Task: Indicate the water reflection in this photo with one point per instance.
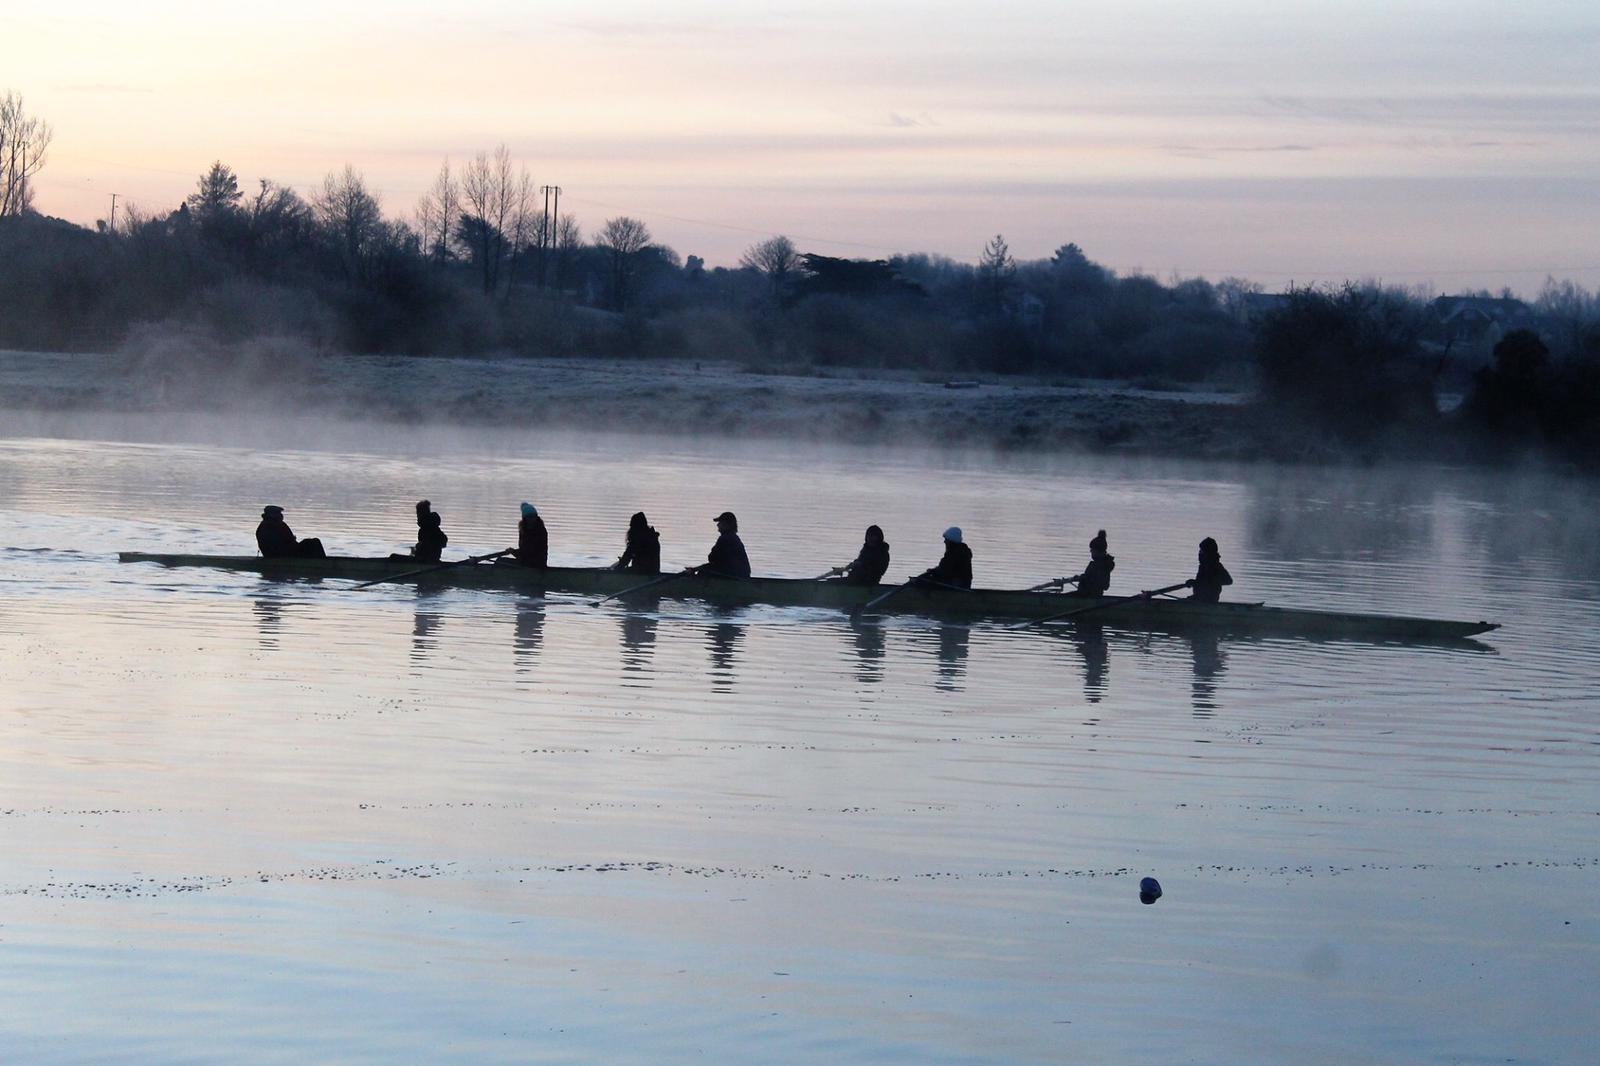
(529, 633)
(268, 613)
(1090, 640)
(427, 619)
(722, 641)
(867, 637)
(953, 640)
(1210, 663)
(638, 641)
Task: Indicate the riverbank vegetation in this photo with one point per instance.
(483, 266)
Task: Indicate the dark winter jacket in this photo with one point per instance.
(869, 566)
(431, 539)
(643, 553)
(1210, 578)
(533, 543)
(727, 558)
(955, 568)
(276, 540)
(1096, 577)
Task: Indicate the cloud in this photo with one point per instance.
(1194, 151)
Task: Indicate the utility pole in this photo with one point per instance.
(552, 219)
(547, 238)
(111, 226)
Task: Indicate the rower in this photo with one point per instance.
(431, 538)
(642, 554)
(277, 541)
(1096, 577)
(1212, 575)
(533, 543)
(727, 558)
(870, 563)
(956, 566)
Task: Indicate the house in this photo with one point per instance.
(1466, 319)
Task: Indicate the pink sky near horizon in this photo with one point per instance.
(1426, 144)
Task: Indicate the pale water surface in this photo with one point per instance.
(256, 821)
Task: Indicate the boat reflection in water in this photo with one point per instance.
(1210, 663)
(529, 633)
(953, 641)
(722, 641)
(866, 637)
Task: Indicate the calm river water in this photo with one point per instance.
(256, 821)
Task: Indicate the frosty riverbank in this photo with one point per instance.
(645, 396)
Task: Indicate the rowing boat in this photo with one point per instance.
(1138, 613)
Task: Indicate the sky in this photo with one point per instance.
(1452, 145)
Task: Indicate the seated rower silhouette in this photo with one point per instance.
(431, 538)
(870, 563)
(1212, 575)
(533, 542)
(277, 541)
(955, 568)
(1096, 577)
(727, 557)
(642, 553)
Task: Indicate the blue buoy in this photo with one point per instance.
(1149, 890)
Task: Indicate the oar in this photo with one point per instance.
(919, 580)
(432, 569)
(876, 600)
(652, 583)
(1053, 584)
(931, 583)
(835, 572)
(1112, 602)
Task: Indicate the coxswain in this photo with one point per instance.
(533, 543)
(869, 565)
(1212, 575)
(1096, 577)
(727, 558)
(642, 555)
(277, 541)
(955, 568)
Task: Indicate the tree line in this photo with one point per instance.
(484, 263)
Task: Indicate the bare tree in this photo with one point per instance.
(350, 217)
(568, 240)
(500, 196)
(279, 224)
(437, 213)
(23, 141)
(776, 257)
(623, 238)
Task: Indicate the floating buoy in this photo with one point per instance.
(1149, 890)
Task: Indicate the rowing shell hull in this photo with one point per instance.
(1155, 614)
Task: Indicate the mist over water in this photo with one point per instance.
(288, 820)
